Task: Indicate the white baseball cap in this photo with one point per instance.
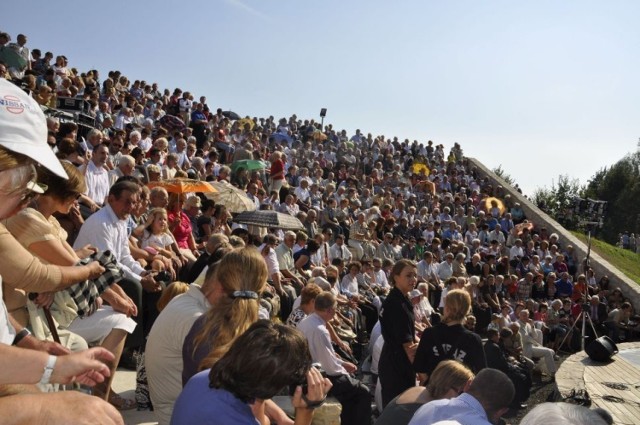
(23, 127)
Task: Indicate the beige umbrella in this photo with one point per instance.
(236, 200)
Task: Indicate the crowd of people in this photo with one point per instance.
(404, 256)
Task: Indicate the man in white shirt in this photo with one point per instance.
(340, 250)
(96, 177)
(107, 230)
(531, 347)
(445, 269)
(516, 252)
(351, 393)
(497, 235)
(381, 276)
(483, 402)
(125, 166)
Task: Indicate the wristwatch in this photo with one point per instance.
(20, 336)
(48, 370)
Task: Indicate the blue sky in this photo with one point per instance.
(542, 87)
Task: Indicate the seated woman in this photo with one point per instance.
(240, 278)
(264, 359)
(450, 378)
(302, 258)
(180, 227)
(38, 231)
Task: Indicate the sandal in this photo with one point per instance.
(121, 403)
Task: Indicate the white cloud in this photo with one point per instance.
(241, 5)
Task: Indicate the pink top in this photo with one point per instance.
(182, 231)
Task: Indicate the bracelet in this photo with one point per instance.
(21, 335)
(313, 404)
(48, 370)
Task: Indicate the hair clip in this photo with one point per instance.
(247, 295)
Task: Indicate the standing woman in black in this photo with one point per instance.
(395, 367)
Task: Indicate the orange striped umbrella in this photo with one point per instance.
(183, 186)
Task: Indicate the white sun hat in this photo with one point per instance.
(23, 127)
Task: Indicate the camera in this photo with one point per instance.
(163, 277)
(303, 381)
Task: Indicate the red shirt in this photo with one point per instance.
(277, 167)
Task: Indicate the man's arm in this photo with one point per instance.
(68, 407)
(23, 366)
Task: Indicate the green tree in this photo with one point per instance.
(619, 185)
(500, 172)
(559, 200)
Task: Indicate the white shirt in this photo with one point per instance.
(319, 257)
(271, 259)
(314, 329)
(445, 270)
(465, 409)
(97, 180)
(426, 271)
(349, 285)
(163, 356)
(516, 251)
(381, 279)
(337, 251)
(106, 232)
(145, 144)
(7, 332)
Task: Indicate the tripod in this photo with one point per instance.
(584, 314)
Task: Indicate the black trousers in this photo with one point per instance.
(370, 314)
(147, 312)
(286, 302)
(395, 372)
(355, 399)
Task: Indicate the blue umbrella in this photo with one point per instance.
(279, 137)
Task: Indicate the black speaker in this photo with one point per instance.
(602, 349)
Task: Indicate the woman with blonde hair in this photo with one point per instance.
(22, 144)
(239, 279)
(450, 339)
(450, 378)
(39, 232)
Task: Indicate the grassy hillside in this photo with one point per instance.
(625, 260)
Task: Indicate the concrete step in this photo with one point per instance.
(124, 383)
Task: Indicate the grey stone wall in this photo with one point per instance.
(630, 289)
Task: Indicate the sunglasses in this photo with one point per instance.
(29, 195)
